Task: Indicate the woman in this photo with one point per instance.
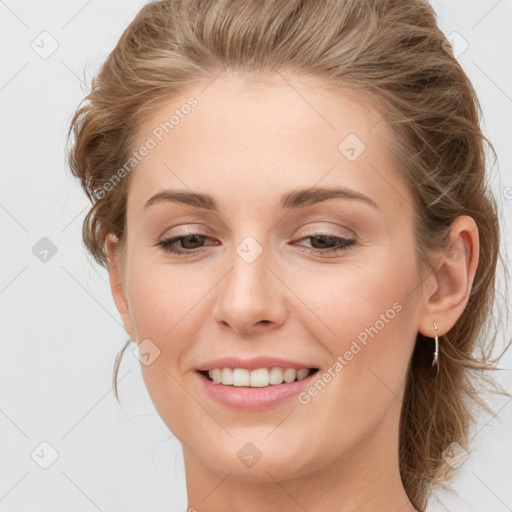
(290, 199)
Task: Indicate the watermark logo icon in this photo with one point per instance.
(455, 44)
(454, 455)
(146, 352)
(45, 45)
(352, 147)
(249, 455)
(249, 249)
(44, 250)
(44, 455)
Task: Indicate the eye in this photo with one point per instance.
(190, 243)
(327, 244)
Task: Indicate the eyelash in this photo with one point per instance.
(343, 244)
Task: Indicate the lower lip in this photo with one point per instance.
(243, 397)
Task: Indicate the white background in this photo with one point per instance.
(60, 330)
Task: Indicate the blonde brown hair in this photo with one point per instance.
(391, 51)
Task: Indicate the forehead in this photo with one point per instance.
(256, 138)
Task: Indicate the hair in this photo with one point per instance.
(391, 52)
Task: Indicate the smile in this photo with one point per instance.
(258, 378)
(254, 390)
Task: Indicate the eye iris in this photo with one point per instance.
(199, 239)
(325, 240)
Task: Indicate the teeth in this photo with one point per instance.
(259, 378)
(302, 373)
(289, 375)
(227, 376)
(216, 376)
(276, 376)
(241, 377)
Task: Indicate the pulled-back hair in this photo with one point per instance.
(391, 52)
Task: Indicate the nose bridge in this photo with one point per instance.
(249, 293)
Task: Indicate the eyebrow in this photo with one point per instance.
(293, 199)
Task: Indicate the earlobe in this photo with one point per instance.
(451, 281)
(115, 274)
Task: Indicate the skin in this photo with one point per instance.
(246, 143)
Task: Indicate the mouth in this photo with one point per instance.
(255, 390)
(258, 378)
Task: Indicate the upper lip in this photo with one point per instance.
(252, 364)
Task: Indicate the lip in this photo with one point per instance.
(253, 364)
(254, 399)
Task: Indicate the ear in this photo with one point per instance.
(115, 274)
(446, 290)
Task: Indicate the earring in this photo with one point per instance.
(436, 351)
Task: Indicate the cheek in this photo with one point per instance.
(169, 305)
(367, 324)
(359, 300)
(162, 300)
(165, 306)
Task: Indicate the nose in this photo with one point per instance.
(251, 298)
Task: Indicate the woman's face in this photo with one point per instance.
(256, 282)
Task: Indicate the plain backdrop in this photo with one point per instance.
(66, 443)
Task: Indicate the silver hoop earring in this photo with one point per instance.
(436, 351)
